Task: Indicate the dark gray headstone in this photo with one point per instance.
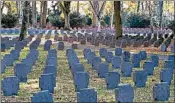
(81, 80)
(124, 93)
(163, 48)
(169, 64)
(112, 80)
(47, 82)
(103, 52)
(60, 46)
(3, 47)
(126, 69)
(109, 57)
(143, 54)
(116, 62)
(126, 56)
(148, 66)
(21, 71)
(118, 51)
(161, 92)
(102, 70)
(140, 78)
(87, 95)
(155, 59)
(166, 75)
(10, 86)
(135, 59)
(74, 46)
(95, 62)
(42, 96)
(3, 66)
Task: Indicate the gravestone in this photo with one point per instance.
(10, 86)
(8, 60)
(148, 66)
(60, 46)
(166, 75)
(3, 66)
(47, 45)
(146, 44)
(102, 70)
(161, 91)
(118, 51)
(126, 56)
(169, 64)
(143, 54)
(77, 67)
(172, 48)
(116, 62)
(50, 69)
(21, 71)
(83, 41)
(155, 59)
(171, 57)
(90, 56)
(112, 80)
(163, 48)
(81, 80)
(135, 59)
(109, 57)
(74, 46)
(126, 69)
(42, 96)
(103, 52)
(47, 82)
(140, 78)
(124, 93)
(95, 62)
(3, 47)
(51, 61)
(87, 95)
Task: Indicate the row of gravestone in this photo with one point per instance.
(126, 66)
(10, 85)
(113, 78)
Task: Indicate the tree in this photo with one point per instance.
(43, 13)
(34, 14)
(161, 12)
(118, 23)
(23, 33)
(138, 6)
(78, 4)
(65, 6)
(97, 12)
(2, 7)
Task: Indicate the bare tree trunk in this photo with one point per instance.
(34, 13)
(78, 4)
(44, 13)
(41, 12)
(118, 23)
(161, 12)
(24, 27)
(138, 6)
(66, 10)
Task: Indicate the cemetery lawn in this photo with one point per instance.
(65, 91)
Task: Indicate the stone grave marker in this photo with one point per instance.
(10, 86)
(3, 47)
(87, 95)
(95, 62)
(81, 80)
(109, 57)
(135, 59)
(116, 62)
(42, 96)
(148, 66)
(169, 64)
(124, 93)
(140, 78)
(74, 46)
(112, 80)
(155, 59)
(21, 71)
(163, 48)
(86, 51)
(103, 52)
(143, 54)
(126, 56)
(77, 67)
(60, 46)
(118, 51)
(166, 75)
(126, 69)
(161, 91)
(102, 70)
(47, 82)
(3, 66)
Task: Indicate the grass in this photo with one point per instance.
(65, 90)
